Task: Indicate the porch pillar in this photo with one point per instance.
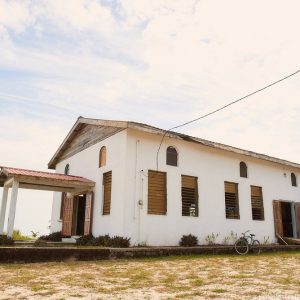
(3, 208)
(12, 208)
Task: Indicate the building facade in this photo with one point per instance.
(191, 186)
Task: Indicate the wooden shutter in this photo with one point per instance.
(277, 218)
(189, 195)
(107, 182)
(88, 215)
(157, 193)
(102, 157)
(68, 215)
(297, 209)
(257, 203)
(231, 200)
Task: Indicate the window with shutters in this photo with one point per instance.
(157, 192)
(107, 182)
(293, 179)
(257, 203)
(189, 195)
(243, 170)
(172, 156)
(231, 200)
(102, 157)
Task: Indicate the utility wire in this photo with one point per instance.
(221, 108)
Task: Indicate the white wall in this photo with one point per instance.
(212, 167)
(85, 163)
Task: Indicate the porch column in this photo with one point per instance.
(12, 208)
(3, 208)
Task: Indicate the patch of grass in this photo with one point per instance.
(198, 282)
(219, 291)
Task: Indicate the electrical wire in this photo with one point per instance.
(221, 108)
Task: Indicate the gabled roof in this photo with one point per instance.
(121, 125)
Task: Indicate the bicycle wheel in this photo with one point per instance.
(241, 246)
(256, 247)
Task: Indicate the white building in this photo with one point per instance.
(195, 186)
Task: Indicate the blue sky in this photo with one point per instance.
(161, 62)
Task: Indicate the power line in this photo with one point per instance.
(221, 108)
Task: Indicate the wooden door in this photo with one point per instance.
(88, 217)
(277, 218)
(68, 215)
(297, 210)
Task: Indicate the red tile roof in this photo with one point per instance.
(47, 175)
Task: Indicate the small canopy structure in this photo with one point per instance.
(36, 180)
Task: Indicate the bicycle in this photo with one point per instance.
(247, 242)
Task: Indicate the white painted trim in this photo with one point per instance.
(12, 208)
(3, 209)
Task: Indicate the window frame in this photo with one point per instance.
(169, 157)
(106, 212)
(196, 197)
(152, 193)
(243, 169)
(262, 202)
(293, 179)
(102, 156)
(237, 216)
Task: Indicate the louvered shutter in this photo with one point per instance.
(68, 215)
(277, 218)
(257, 203)
(189, 195)
(157, 193)
(88, 216)
(107, 184)
(231, 200)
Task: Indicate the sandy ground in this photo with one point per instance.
(267, 276)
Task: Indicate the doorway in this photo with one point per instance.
(287, 221)
(79, 215)
(286, 218)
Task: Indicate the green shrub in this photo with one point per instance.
(52, 237)
(103, 241)
(85, 240)
(5, 240)
(119, 242)
(188, 241)
(18, 236)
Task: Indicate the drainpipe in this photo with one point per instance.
(135, 178)
(140, 207)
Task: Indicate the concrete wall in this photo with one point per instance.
(130, 154)
(86, 164)
(212, 167)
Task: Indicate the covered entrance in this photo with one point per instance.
(78, 197)
(286, 219)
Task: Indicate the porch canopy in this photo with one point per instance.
(35, 180)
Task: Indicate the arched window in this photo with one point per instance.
(293, 179)
(102, 157)
(67, 169)
(172, 156)
(243, 170)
